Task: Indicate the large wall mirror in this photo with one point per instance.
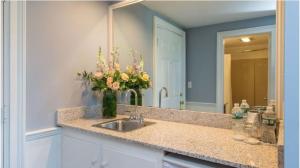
(206, 54)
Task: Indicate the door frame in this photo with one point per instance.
(271, 29)
(14, 47)
(158, 22)
(2, 87)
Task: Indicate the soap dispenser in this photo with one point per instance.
(181, 103)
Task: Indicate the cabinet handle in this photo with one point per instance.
(103, 164)
(94, 162)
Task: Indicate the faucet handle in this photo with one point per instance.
(131, 117)
(141, 118)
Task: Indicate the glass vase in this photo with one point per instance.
(139, 96)
(109, 105)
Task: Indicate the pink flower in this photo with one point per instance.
(115, 86)
(98, 75)
(109, 80)
(109, 85)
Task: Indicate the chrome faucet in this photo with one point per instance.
(166, 95)
(135, 115)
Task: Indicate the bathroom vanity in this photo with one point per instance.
(201, 65)
(84, 145)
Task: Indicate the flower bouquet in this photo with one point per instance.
(109, 79)
(138, 78)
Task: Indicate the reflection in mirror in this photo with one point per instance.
(178, 42)
(246, 70)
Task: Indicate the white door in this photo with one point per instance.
(169, 63)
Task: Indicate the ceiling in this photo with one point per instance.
(255, 40)
(189, 14)
(258, 42)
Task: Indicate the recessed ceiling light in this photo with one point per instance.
(245, 39)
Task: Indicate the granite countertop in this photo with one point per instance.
(207, 143)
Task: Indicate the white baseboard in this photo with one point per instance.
(43, 148)
(200, 106)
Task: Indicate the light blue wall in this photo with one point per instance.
(133, 28)
(62, 39)
(291, 84)
(202, 57)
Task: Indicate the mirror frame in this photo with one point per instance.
(111, 8)
(280, 59)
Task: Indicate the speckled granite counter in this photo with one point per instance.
(207, 143)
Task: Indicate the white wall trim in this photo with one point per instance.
(17, 93)
(201, 106)
(42, 133)
(43, 148)
(220, 55)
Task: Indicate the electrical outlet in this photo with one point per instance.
(189, 84)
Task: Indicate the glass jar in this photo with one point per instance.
(238, 129)
(139, 97)
(237, 112)
(268, 134)
(244, 106)
(109, 104)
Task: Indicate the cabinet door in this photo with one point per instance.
(114, 158)
(242, 81)
(261, 82)
(80, 153)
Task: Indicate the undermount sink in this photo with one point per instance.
(123, 125)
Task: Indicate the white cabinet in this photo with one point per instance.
(86, 150)
(80, 153)
(114, 158)
(82, 150)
